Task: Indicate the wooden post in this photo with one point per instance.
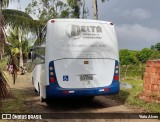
(95, 9)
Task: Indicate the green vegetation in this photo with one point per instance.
(55, 9)
(3, 63)
(15, 103)
(132, 71)
(19, 96)
(130, 96)
(21, 23)
(130, 57)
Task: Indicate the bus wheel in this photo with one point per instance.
(38, 89)
(32, 81)
(89, 98)
(33, 85)
(35, 90)
(42, 99)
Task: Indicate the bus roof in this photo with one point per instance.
(79, 20)
(73, 37)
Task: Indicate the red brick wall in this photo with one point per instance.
(151, 85)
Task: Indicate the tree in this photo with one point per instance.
(21, 19)
(153, 47)
(157, 46)
(12, 18)
(155, 55)
(3, 83)
(23, 22)
(144, 55)
(75, 5)
(127, 57)
(48, 9)
(17, 46)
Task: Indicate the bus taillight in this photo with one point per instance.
(52, 73)
(52, 21)
(68, 92)
(52, 80)
(107, 89)
(116, 77)
(116, 72)
(65, 92)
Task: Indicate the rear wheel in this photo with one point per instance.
(38, 89)
(35, 90)
(33, 85)
(89, 98)
(41, 98)
(86, 98)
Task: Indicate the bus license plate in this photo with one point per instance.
(86, 77)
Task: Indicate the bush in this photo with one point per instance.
(3, 63)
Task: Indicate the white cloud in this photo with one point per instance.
(137, 36)
(138, 13)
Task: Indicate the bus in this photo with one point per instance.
(75, 58)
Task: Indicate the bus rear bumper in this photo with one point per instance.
(56, 91)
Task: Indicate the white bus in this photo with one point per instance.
(76, 58)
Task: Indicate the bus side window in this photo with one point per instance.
(31, 54)
(39, 55)
(39, 48)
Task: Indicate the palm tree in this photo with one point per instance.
(18, 19)
(17, 46)
(3, 83)
(23, 22)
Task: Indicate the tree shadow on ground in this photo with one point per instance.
(27, 100)
(121, 97)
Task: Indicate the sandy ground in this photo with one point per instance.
(99, 104)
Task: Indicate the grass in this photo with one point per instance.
(15, 103)
(130, 96)
(3, 63)
(18, 98)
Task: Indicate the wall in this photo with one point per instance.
(151, 85)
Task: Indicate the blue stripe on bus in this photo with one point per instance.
(55, 91)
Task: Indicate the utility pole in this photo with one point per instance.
(95, 9)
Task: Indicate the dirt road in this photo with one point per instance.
(31, 104)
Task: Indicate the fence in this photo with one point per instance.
(132, 71)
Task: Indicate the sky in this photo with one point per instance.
(137, 22)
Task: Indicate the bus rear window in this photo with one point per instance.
(83, 37)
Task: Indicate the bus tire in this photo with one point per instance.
(32, 81)
(89, 98)
(35, 90)
(33, 85)
(42, 99)
(38, 89)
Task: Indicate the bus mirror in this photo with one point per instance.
(30, 55)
